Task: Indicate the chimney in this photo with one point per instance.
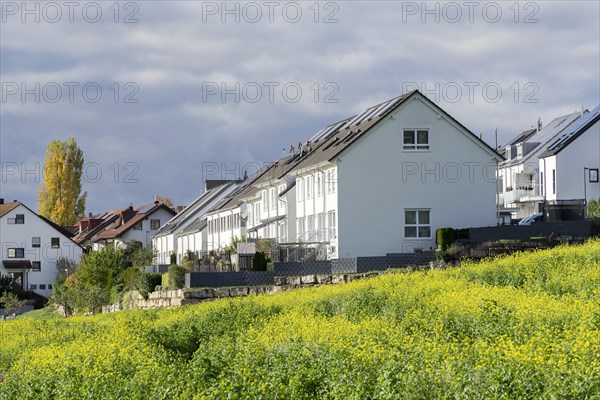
(131, 206)
(90, 215)
(156, 200)
(1, 201)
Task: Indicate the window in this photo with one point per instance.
(265, 201)
(281, 190)
(299, 189)
(50, 286)
(138, 226)
(154, 224)
(416, 139)
(283, 232)
(20, 219)
(330, 181)
(416, 224)
(311, 228)
(319, 183)
(273, 198)
(35, 241)
(321, 228)
(300, 228)
(42, 286)
(332, 232)
(55, 243)
(309, 187)
(13, 252)
(553, 181)
(33, 287)
(36, 265)
(593, 175)
(256, 213)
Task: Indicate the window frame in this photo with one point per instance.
(34, 263)
(34, 244)
(21, 218)
(417, 224)
(15, 251)
(55, 246)
(152, 224)
(415, 146)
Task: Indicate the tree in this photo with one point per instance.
(60, 198)
(11, 302)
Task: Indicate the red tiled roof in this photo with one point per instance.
(8, 207)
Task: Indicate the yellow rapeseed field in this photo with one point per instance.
(525, 326)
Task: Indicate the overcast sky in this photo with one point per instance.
(161, 95)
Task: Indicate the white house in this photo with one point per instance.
(384, 180)
(570, 163)
(519, 175)
(31, 245)
(379, 182)
(134, 225)
(187, 231)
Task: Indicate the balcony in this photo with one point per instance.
(522, 194)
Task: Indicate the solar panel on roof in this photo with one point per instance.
(387, 107)
(574, 129)
(317, 135)
(145, 209)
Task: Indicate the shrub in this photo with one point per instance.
(154, 280)
(176, 276)
(173, 258)
(444, 237)
(259, 262)
(164, 279)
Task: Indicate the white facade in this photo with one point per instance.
(223, 226)
(316, 205)
(520, 186)
(25, 236)
(392, 196)
(569, 174)
(178, 234)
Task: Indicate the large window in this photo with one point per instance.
(415, 139)
(300, 189)
(300, 228)
(319, 184)
(265, 201)
(417, 224)
(330, 181)
(332, 231)
(273, 198)
(309, 187)
(311, 228)
(15, 252)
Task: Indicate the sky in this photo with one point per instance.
(161, 95)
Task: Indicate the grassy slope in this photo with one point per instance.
(525, 326)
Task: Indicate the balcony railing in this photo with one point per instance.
(522, 194)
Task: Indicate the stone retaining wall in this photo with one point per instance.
(181, 297)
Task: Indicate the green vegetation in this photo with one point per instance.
(524, 326)
(101, 278)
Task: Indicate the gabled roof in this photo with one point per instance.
(121, 226)
(542, 138)
(8, 207)
(200, 206)
(348, 131)
(572, 132)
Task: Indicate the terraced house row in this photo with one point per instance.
(378, 182)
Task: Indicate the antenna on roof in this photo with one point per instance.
(539, 124)
(245, 174)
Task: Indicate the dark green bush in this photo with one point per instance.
(154, 280)
(259, 262)
(176, 276)
(444, 237)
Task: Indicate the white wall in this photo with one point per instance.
(583, 152)
(377, 181)
(20, 236)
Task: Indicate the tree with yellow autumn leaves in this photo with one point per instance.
(60, 198)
